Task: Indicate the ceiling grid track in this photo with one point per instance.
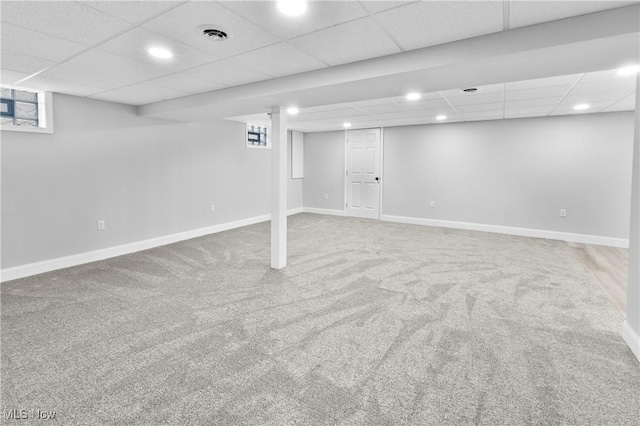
(566, 94)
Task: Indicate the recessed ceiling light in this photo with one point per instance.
(413, 96)
(581, 107)
(160, 52)
(629, 70)
(292, 110)
(441, 117)
(292, 7)
(346, 124)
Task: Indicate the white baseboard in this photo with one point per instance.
(35, 268)
(523, 232)
(632, 339)
(324, 211)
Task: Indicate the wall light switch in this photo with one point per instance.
(433, 204)
(213, 208)
(326, 196)
(563, 213)
(101, 225)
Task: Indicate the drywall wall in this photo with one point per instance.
(324, 170)
(515, 173)
(145, 178)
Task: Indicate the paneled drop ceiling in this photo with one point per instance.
(98, 49)
(603, 91)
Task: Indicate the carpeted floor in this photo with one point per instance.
(372, 323)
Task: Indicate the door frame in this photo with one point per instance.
(346, 169)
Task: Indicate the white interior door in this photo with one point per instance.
(363, 173)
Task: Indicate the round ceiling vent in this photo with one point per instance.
(470, 90)
(213, 32)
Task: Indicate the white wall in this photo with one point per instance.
(515, 173)
(324, 170)
(146, 178)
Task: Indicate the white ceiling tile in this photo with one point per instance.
(319, 15)
(109, 63)
(382, 109)
(123, 97)
(31, 43)
(531, 103)
(326, 107)
(60, 86)
(278, 60)
(23, 63)
(524, 115)
(227, 73)
(475, 98)
(379, 6)
(91, 78)
(131, 11)
(63, 19)
(423, 24)
(594, 98)
(539, 92)
(426, 104)
(148, 90)
(355, 41)
(525, 109)
(605, 76)
(135, 44)
(186, 83)
(543, 82)
(604, 86)
(10, 76)
(624, 105)
(567, 108)
(469, 109)
(180, 24)
(523, 13)
(480, 116)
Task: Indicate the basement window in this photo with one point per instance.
(25, 110)
(258, 136)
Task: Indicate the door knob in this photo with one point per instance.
(377, 178)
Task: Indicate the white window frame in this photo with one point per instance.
(45, 112)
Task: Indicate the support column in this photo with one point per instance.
(278, 188)
(631, 327)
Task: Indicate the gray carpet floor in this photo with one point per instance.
(372, 323)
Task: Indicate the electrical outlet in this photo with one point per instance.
(326, 196)
(213, 208)
(563, 213)
(433, 204)
(101, 225)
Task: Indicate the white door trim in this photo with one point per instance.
(380, 169)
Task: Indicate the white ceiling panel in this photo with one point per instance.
(523, 13)
(379, 6)
(423, 24)
(64, 19)
(60, 86)
(186, 83)
(543, 82)
(595, 97)
(147, 89)
(476, 108)
(355, 41)
(227, 73)
(10, 76)
(567, 108)
(532, 103)
(606, 86)
(109, 63)
(539, 111)
(31, 43)
(319, 15)
(135, 44)
(427, 104)
(180, 24)
(124, 97)
(606, 75)
(131, 11)
(475, 98)
(85, 77)
(23, 63)
(540, 92)
(626, 104)
(485, 115)
(278, 60)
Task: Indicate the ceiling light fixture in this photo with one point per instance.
(414, 96)
(160, 52)
(292, 110)
(634, 69)
(346, 124)
(581, 107)
(441, 117)
(292, 7)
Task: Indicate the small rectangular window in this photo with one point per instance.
(258, 136)
(24, 110)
